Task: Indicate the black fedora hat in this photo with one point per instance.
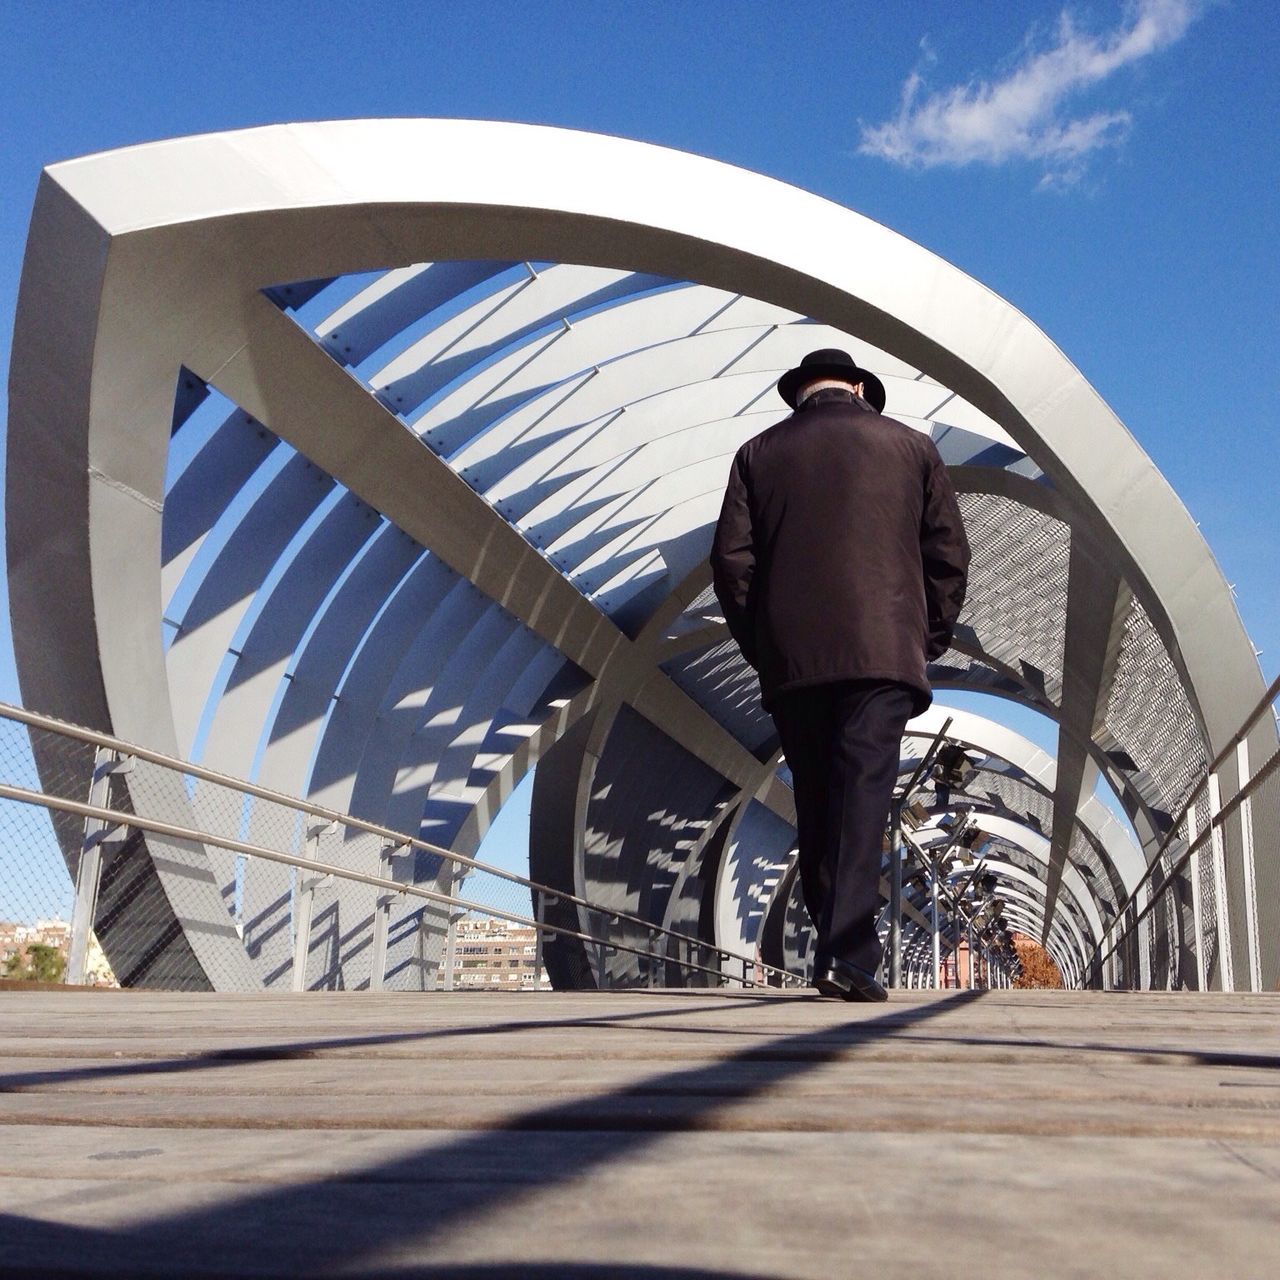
(831, 363)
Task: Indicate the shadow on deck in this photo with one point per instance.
(637, 1134)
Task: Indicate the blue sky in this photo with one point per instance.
(1110, 168)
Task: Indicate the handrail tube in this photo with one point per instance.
(94, 738)
(117, 817)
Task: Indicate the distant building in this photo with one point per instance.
(497, 956)
(16, 938)
(34, 951)
(53, 933)
(13, 938)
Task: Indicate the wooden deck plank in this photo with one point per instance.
(631, 1134)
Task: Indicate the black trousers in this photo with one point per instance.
(842, 742)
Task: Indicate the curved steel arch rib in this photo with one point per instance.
(172, 261)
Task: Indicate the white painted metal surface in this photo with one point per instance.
(554, 436)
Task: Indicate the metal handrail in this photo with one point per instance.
(388, 834)
(117, 817)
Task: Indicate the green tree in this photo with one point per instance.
(37, 963)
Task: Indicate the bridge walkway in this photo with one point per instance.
(636, 1134)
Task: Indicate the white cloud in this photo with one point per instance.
(1025, 115)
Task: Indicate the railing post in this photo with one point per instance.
(601, 949)
(934, 931)
(1197, 907)
(1225, 967)
(450, 960)
(895, 895)
(307, 886)
(97, 836)
(426, 981)
(1250, 875)
(382, 917)
(1133, 961)
(1144, 929)
(540, 915)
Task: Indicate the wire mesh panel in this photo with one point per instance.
(191, 880)
(1149, 716)
(1202, 870)
(40, 855)
(1017, 595)
(36, 895)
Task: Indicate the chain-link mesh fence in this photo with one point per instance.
(122, 866)
(37, 889)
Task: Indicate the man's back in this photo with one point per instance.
(840, 561)
(840, 553)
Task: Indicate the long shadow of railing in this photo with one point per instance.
(1151, 1053)
(330, 1223)
(294, 1050)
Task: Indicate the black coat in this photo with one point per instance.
(840, 552)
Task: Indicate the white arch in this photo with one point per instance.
(148, 260)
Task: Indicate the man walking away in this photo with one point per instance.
(840, 561)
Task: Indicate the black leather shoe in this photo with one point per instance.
(846, 981)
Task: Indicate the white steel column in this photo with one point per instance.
(1197, 910)
(97, 835)
(382, 919)
(307, 886)
(1250, 873)
(935, 940)
(450, 961)
(1225, 968)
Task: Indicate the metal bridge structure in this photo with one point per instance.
(375, 462)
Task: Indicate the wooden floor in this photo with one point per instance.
(639, 1134)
